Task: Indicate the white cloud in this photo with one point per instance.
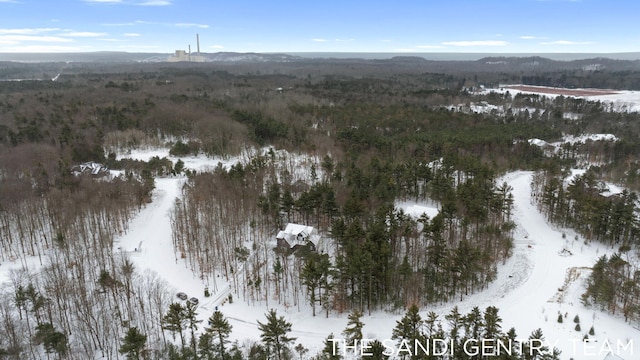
(566, 42)
(16, 39)
(9, 1)
(85, 34)
(135, 2)
(319, 40)
(104, 1)
(477, 43)
(40, 49)
(138, 47)
(430, 46)
(121, 24)
(530, 37)
(143, 22)
(27, 31)
(155, 3)
(202, 26)
(131, 34)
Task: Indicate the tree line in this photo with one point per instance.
(455, 336)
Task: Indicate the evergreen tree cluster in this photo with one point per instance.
(613, 285)
(583, 206)
(456, 336)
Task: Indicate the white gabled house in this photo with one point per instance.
(295, 236)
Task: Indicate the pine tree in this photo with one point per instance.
(330, 351)
(258, 352)
(190, 315)
(314, 274)
(179, 167)
(353, 331)
(512, 337)
(492, 321)
(53, 341)
(538, 352)
(175, 320)
(376, 351)
(206, 349)
(133, 343)
(409, 328)
(301, 350)
(474, 323)
(455, 321)
(274, 333)
(219, 328)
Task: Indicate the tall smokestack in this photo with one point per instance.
(198, 42)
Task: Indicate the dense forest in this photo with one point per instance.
(369, 133)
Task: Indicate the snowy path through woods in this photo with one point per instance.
(149, 244)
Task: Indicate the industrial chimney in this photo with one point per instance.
(198, 42)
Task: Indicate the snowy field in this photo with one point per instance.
(545, 277)
(618, 101)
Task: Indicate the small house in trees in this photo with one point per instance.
(90, 168)
(295, 236)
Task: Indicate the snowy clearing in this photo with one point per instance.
(617, 100)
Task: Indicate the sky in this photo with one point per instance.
(411, 26)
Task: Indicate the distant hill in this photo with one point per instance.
(125, 57)
(537, 63)
(509, 60)
(100, 56)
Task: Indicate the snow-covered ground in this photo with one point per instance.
(417, 210)
(536, 284)
(543, 278)
(570, 139)
(620, 101)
